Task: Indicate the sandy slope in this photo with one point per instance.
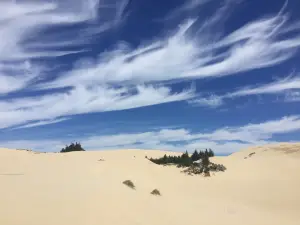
(77, 189)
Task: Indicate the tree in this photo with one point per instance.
(72, 148)
(195, 156)
(165, 159)
(206, 152)
(211, 153)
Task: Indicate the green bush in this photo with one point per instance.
(72, 148)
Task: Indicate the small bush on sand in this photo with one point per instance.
(155, 192)
(72, 148)
(129, 183)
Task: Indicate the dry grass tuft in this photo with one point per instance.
(155, 192)
(129, 183)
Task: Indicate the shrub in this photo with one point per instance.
(205, 161)
(251, 154)
(205, 169)
(129, 183)
(195, 156)
(72, 148)
(155, 192)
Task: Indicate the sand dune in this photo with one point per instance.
(85, 188)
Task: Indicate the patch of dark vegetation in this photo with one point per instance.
(155, 192)
(72, 148)
(24, 149)
(197, 163)
(129, 183)
(250, 155)
(184, 160)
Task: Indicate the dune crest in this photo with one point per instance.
(86, 188)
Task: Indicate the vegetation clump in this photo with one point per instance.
(155, 192)
(185, 160)
(197, 163)
(72, 148)
(129, 183)
(250, 155)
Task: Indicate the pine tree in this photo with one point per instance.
(165, 159)
(201, 154)
(195, 156)
(206, 152)
(72, 147)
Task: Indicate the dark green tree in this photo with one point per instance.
(72, 148)
(195, 156)
(206, 152)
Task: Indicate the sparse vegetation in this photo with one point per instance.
(129, 183)
(72, 148)
(155, 192)
(23, 149)
(250, 155)
(197, 163)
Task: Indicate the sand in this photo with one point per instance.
(81, 189)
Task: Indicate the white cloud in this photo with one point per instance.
(186, 56)
(185, 7)
(271, 88)
(41, 123)
(82, 100)
(282, 86)
(212, 101)
(22, 39)
(191, 52)
(253, 133)
(293, 96)
(222, 141)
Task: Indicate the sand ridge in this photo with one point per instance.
(86, 188)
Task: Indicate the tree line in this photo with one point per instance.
(185, 159)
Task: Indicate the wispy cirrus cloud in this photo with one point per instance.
(81, 100)
(287, 86)
(21, 28)
(292, 96)
(125, 77)
(212, 101)
(41, 123)
(255, 45)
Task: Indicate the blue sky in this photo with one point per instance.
(174, 75)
